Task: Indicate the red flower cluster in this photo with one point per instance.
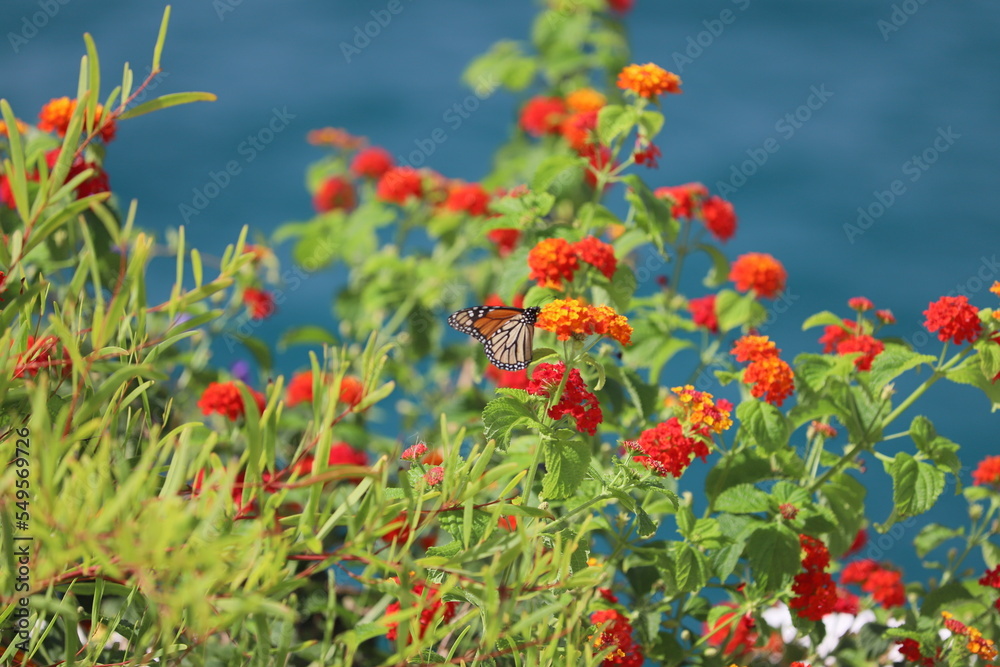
(507, 379)
(300, 389)
(910, 649)
(815, 593)
(860, 304)
(341, 454)
(884, 585)
(469, 197)
(719, 217)
(621, 6)
(225, 398)
(987, 472)
(334, 194)
(617, 635)
(848, 339)
(554, 260)
(691, 200)
(667, 449)
(772, 377)
(260, 302)
(685, 198)
(760, 272)
(741, 634)
(954, 318)
(372, 163)
(400, 184)
(578, 130)
(992, 579)
(648, 154)
(505, 239)
(41, 353)
(96, 183)
(543, 115)
(431, 607)
(703, 313)
(576, 400)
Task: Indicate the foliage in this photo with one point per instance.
(158, 508)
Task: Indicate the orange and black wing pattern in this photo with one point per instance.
(505, 332)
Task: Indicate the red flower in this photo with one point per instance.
(434, 476)
(760, 272)
(471, 198)
(508, 523)
(508, 379)
(719, 217)
(741, 633)
(868, 346)
(372, 163)
(858, 571)
(598, 160)
(542, 115)
(260, 303)
(992, 579)
(578, 130)
(953, 318)
(860, 304)
(400, 529)
(431, 608)
(40, 354)
(618, 634)
(399, 184)
(505, 239)
(754, 348)
(597, 253)
(886, 587)
(414, 452)
(885, 316)
(860, 540)
(833, 335)
(684, 197)
(225, 398)
(987, 472)
(703, 312)
(772, 378)
(300, 389)
(341, 454)
(552, 261)
(648, 156)
(576, 400)
(335, 193)
(96, 183)
(351, 390)
(621, 6)
(815, 593)
(666, 449)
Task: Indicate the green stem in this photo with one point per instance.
(837, 467)
(558, 524)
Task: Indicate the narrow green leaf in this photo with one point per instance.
(166, 101)
(161, 38)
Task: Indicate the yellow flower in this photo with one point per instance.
(585, 99)
(649, 80)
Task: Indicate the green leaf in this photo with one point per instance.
(161, 38)
(773, 553)
(646, 525)
(892, 362)
(514, 273)
(719, 273)
(566, 463)
(724, 560)
(733, 310)
(690, 568)
(934, 535)
(743, 499)
(306, 335)
(823, 319)
(623, 284)
(166, 101)
(501, 416)
(613, 121)
(915, 485)
(258, 349)
(947, 594)
(651, 123)
(454, 523)
(553, 169)
(845, 497)
(449, 550)
(767, 427)
(505, 63)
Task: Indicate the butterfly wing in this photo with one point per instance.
(505, 332)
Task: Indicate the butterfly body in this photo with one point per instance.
(505, 332)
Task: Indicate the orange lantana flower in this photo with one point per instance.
(336, 137)
(571, 317)
(649, 80)
(21, 127)
(702, 411)
(760, 272)
(55, 117)
(754, 348)
(585, 99)
(552, 261)
(772, 377)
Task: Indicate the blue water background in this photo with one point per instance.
(894, 91)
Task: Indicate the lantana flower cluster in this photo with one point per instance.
(885, 585)
(576, 401)
(670, 447)
(553, 261)
(852, 336)
(617, 636)
(772, 378)
(815, 592)
(691, 200)
(759, 272)
(432, 608)
(571, 317)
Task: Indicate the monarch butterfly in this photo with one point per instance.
(505, 332)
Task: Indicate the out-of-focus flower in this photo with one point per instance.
(470, 197)
(860, 304)
(432, 607)
(505, 239)
(647, 154)
(399, 185)
(585, 99)
(552, 261)
(42, 353)
(885, 316)
(56, 114)
(507, 379)
(868, 346)
(992, 579)
(225, 399)
(569, 317)
(300, 389)
(542, 115)
(578, 130)
(351, 390)
(334, 194)
(719, 217)
(96, 183)
(833, 334)
(434, 476)
(414, 452)
(703, 312)
(740, 633)
(987, 472)
(621, 6)
(617, 635)
(372, 163)
(760, 272)
(884, 585)
(598, 254)
(815, 592)
(598, 159)
(22, 127)
(341, 454)
(259, 302)
(335, 137)
(648, 80)
(241, 371)
(576, 401)
(508, 523)
(953, 318)
(684, 197)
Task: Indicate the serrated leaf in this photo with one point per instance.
(892, 362)
(690, 568)
(501, 416)
(915, 485)
(724, 560)
(646, 525)
(773, 553)
(553, 168)
(454, 523)
(614, 120)
(767, 427)
(742, 499)
(566, 464)
(934, 535)
(948, 593)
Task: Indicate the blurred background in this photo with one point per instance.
(856, 94)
